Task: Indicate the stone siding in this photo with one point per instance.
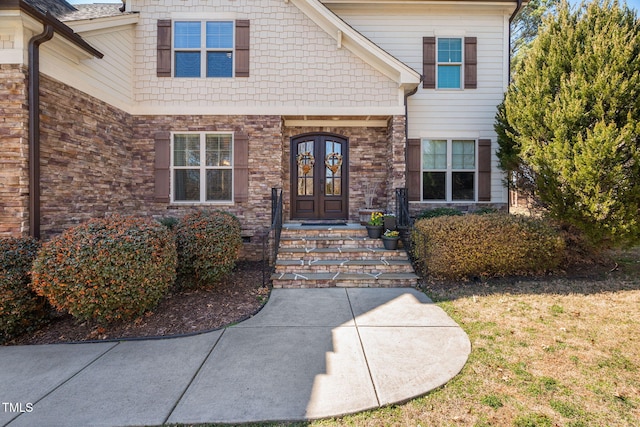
(369, 149)
(97, 160)
(14, 156)
(88, 164)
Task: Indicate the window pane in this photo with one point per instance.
(450, 50)
(219, 64)
(434, 154)
(220, 35)
(187, 64)
(187, 35)
(186, 185)
(219, 150)
(449, 76)
(218, 184)
(462, 187)
(186, 150)
(463, 155)
(434, 185)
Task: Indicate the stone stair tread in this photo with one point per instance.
(343, 262)
(338, 250)
(343, 276)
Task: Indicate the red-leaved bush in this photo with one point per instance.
(107, 269)
(21, 310)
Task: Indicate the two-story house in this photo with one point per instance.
(160, 106)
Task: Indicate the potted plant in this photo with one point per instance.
(374, 226)
(390, 239)
(390, 222)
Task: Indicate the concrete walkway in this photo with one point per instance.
(310, 353)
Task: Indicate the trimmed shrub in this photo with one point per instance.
(21, 310)
(438, 212)
(209, 244)
(486, 245)
(107, 269)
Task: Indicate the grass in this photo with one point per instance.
(554, 352)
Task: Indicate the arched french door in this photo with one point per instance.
(319, 176)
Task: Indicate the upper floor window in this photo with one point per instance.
(203, 48)
(449, 63)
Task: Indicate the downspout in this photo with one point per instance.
(34, 128)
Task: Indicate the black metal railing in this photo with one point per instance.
(402, 208)
(403, 218)
(271, 240)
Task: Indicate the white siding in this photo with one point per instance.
(444, 113)
(109, 78)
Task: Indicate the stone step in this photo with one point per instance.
(350, 230)
(345, 241)
(352, 280)
(378, 253)
(344, 266)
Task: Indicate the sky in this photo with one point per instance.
(635, 4)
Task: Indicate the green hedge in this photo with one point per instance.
(457, 247)
(107, 269)
(21, 310)
(209, 244)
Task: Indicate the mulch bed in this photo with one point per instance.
(185, 312)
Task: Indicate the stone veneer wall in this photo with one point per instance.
(14, 155)
(97, 160)
(368, 163)
(265, 165)
(88, 164)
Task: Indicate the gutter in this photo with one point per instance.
(51, 26)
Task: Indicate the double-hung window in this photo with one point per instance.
(203, 48)
(448, 170)
(449, 63)
(202, 167)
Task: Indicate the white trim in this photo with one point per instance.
(150, 109)
(202, 168)
(97, 24)
(337, 123)
(449, 170)
(365, 49)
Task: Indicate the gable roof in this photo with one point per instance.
(346, 36)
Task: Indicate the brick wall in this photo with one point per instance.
(14, 155)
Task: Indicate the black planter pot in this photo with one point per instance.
(390, 243)
(374, 231)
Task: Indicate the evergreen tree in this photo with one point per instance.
(525, 27)
(569, 126)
